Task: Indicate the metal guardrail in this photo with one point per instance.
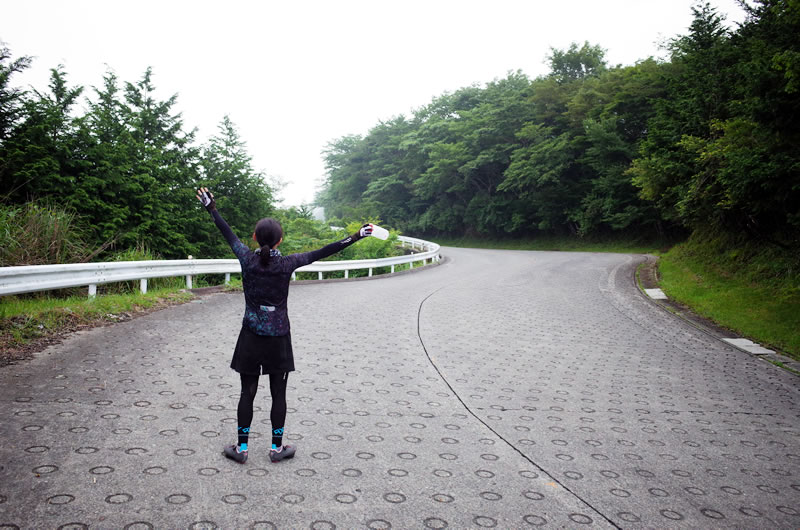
(26, 279)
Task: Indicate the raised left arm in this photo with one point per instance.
(206, 198)
(328, 250)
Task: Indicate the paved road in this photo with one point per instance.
(500, 389)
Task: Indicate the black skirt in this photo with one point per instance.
(262, 354)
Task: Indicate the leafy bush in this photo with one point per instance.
(303, 235)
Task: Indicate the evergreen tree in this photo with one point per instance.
(12, 111)
(666, 169)
(751, 161)
(104, 185)
(721, 152)
(11, 98)
(162, 174)
(40, 156)
(244, 195)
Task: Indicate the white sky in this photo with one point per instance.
(294, 75)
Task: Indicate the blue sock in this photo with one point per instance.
(244, 435)
(277, 438)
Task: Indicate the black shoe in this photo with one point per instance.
(276, 455)
(233, 453)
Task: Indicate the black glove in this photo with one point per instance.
(363, 232)
(206, 198)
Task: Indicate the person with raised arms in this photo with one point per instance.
(264, 345)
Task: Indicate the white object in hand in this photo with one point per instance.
(380, 233)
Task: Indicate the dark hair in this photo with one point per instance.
(268, 233)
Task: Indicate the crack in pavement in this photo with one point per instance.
(489, 427)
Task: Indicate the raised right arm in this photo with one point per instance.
(207, 199)
(239, 248)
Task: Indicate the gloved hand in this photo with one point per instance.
(363, 232)
(206, 198)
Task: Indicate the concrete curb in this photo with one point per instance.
(657, 297)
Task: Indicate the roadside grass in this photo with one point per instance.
(235, 284)
(24, 319)
(569, 244)
(752, 290)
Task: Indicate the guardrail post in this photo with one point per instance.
(92, 290)
(392, 269)
(143, 285)
(319, 277)
(346, 275)
(189, 278)
(294, 275)
(227, 278)
(370, 271)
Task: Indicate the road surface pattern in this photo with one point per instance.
(499, 389)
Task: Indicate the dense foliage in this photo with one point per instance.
(301, 233)
(125, 166)
(704, 140)
(118, 180)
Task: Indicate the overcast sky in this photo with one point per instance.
(295, 75)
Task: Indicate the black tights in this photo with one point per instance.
(277, 416)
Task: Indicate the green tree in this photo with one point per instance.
(753, 156)
(163, 173)
(666, 169)
(345, 161)
(244, 195)
(394, 165)
(545, 169)
(575, 63)
(721, 152)
(542, 173)
(614, 110)
(11, 98)
(104, 186)
(12, 112)
(39, 156)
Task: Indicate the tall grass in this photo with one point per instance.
(43, 233)
(40, 233)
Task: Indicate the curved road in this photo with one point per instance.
(500, 389)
